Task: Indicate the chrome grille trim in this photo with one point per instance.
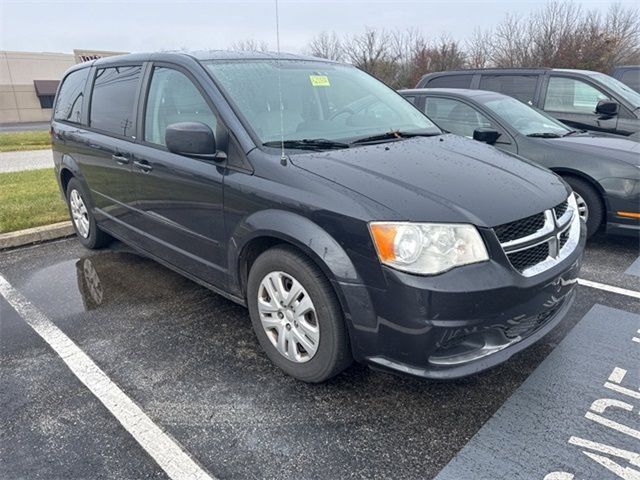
(550, 233)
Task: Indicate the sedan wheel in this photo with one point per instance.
(288, 317)
(583, 209)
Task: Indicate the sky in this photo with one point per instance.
(142, 25)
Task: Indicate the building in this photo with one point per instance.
(28, 82)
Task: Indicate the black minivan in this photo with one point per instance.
(582, 99)
(349, 232)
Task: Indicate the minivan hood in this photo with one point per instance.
(441, 179)
(609, 147)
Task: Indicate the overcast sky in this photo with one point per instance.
(61, 26)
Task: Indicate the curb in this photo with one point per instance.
(35, 235)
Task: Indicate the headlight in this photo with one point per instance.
(427, 248)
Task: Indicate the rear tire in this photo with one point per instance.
(82, 218)
(330, 353)
(592, 201)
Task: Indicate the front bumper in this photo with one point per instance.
(463, 321)
(619, 223)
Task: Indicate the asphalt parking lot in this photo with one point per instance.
(188, 358)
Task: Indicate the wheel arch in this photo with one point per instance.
(268, 228)
(569, 172)
(69, 169)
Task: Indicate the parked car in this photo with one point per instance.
(579, 98)
(629, 75)
(364, 235)
(604, 171)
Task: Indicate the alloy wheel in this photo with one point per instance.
(288, 317)
(583, 209)
(79, 213)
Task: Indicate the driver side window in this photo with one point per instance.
(455, 116)
(173, 98)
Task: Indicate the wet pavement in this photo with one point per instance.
(190, 360)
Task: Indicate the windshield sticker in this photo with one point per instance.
(319, 80)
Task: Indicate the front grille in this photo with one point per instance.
(561, 209)
(528, 258)
(564, 236)
(538, 242)
(520, 228)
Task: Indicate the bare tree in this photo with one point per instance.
(622, 29)
(326, 45)
(447, 54)
(478, 48)
(558, 34)
(370, 51)
(405, 48)
(250, 45)
(511, 43)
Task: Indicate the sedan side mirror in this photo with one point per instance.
(486, 135)
(607, 108)
(191, 139)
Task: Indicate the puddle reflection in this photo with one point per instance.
(105, 278)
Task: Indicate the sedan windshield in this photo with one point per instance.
(315, 104)
(525, 119)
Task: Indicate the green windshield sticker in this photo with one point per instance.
(319, 80)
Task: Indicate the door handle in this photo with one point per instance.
(142, 165)
(120, 159)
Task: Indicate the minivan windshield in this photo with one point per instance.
(322, 104)
(525, 119)
(625, 91)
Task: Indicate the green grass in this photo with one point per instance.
(32, 140)
(30, 199)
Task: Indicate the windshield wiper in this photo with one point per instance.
(393, 135)
(544, 135)
(308, 144)
(572, 132)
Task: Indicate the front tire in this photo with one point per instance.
(296, 316)
(590, 205)
(82, 218)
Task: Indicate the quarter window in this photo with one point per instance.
(450, 81)
(521, 87)
(70, 98)
(572, 96)
(173, 98)
(455, 116)
(113, 101)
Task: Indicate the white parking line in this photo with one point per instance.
(177, 464)
(609, 288)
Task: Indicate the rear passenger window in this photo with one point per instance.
(173, 98)
(522, 87)
(113, 100)
(71, 96)
(450, 81)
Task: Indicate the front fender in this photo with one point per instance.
(323, 249)
(299, 231)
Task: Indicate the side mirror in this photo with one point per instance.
(192, 139)
(486, 135)
(607, 108)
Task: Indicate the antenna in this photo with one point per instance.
(283, 157)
